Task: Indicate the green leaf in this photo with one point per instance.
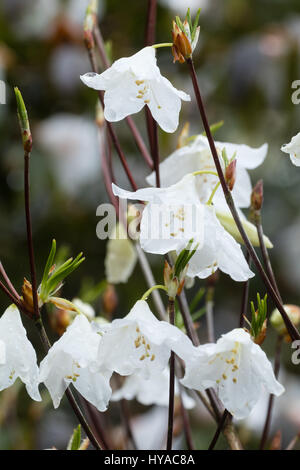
(179, 23)
(51, 283)
(90, 292)
(48, 266)
(75, 440)
(193, 31)
(194, 303)
(189, 19)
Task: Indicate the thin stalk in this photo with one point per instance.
(9, 294)
(265, 253)
(186, 425)
(151, 22)
(151, 123)
(9, 283)
(145, 266)
(171, 311)
(107, 174)
(272, 397)
(293, 332)
(270, 272)
(187, 319)
(29, 235)
(47, 345)
(94, 417)
(153, 288)
(126, 421)
(293, 442)
(245, 295)
(209, 301)
(219, 430)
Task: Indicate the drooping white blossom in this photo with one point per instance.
(293, 149)
(134, 82)
(17, 355)
(120, 258)
(140, 343)
(71, 360)
(236, 367)
(197, 157)
(150, 391)
(174, 215)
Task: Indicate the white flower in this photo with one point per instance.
(71, 144)
(151, 391)
(133, 82)
(236, 367)
(175, 215)
(293, 149)
(84, 308)
(197, 156)
(71, 360)
(140, 343)
(120, 258)
(17, 356)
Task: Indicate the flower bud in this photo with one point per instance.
(60, 320)
(171, 282)
(259, 339)
(230, 174)
(183, 136)
(229, 224)
(109, 300)
(89, 23)
(293, 312)
(27, 297)
(24, 122)
(257, 196)
(181, 45)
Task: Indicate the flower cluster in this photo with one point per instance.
(138, 346)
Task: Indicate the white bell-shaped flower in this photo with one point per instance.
(175, 215)
(236, 367)
(120, 259)
(293, 149)
(17, 356)
(134, 82)
(140, 343)
(71, 360)
(197, 156)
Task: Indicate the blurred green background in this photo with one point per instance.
(247, 59)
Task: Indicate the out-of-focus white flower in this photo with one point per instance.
(37, 17)
(120, 258)
(197, 157)
(174, 216)
(17, 356)
(66, 62)
(71, 360)
(293, 149)
(72, 143)
(133, 82)
(236, 367)
(140, 343)
(84, 308)
(151, 391)
(181, 7)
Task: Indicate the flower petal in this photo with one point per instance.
(165, 103)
